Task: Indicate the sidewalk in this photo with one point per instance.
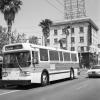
(83, 72)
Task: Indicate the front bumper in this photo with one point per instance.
(15, 82)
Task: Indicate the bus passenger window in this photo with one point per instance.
(67, 56)
(43, 54)
(74, 57)
(35, 57)
(54, 55)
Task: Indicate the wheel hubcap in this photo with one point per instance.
(44, 79)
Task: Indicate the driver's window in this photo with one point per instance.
(35, 56)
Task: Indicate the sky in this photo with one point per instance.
(34, 11)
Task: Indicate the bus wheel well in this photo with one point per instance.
(45, 72)
(71, 73)
(44, 78)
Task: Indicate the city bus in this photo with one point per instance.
(25, 63)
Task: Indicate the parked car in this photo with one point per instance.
(94, 71)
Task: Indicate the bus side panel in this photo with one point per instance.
(56, 71)
(41, 66)
(37, 71)
(59, 75)
(65, 66)
(62, 70)
(36, 77)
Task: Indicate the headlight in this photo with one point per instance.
(25, 73)
(4, 74)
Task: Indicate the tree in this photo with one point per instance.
(3, 37)
(18, 38)
(61, 41)
(9, 8)
(64, 40)
(15, 37)
(66, 33)
(33, 39)
(45, 25)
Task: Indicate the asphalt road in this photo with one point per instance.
(77, 89)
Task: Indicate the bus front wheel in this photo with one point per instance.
(44, 79)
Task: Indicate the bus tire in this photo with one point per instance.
(44, 79)
(71, 73)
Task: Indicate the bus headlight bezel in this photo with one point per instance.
(25, 73)
(4, 74)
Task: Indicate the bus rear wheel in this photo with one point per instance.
(44, 79)
(71, 73)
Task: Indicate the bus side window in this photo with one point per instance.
(74, 57)
(35, 57)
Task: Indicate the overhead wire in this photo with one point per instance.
(60, 3)
(53, 6)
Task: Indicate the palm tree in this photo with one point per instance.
(9, 8)
(61, 41)
(66, 33)
(45, 25)
(64, 40)
(33, 39)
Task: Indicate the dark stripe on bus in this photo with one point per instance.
(59, 72)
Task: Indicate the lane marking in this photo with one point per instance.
(9, 92)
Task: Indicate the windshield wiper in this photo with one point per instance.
(19, 65)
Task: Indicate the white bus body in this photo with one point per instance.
(25, 63)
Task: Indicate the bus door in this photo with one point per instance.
(35, 59)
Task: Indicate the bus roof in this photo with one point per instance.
(28, 46)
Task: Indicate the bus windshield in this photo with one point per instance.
(16, 59)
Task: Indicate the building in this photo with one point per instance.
(74, 9)
(82, 36)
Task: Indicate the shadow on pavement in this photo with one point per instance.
(32, 86)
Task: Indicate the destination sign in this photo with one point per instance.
(13, 47)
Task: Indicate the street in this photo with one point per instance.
(48, 41)
(78, 89)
